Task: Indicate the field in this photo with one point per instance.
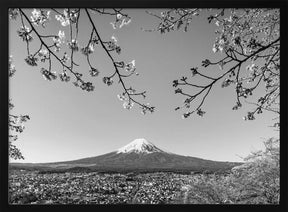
(30, 187)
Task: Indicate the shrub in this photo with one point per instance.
(257, 181)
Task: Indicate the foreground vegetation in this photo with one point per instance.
(255, 182)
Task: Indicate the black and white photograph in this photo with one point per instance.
(177, 106)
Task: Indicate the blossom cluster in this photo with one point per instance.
(220, 44)
(108, 81)
(73, 45)
(63, 20)
(226, 83)
(121, 21)
(88, 49)
(13, 13)
(186, 115)
(147, 107)
(112, 45)
(43, 54)
(18, 120)
(175, 19)
(127, 102)
(14, 152)
(187, 102)
(130, 67)
(31, 60)
(86, 86)
(18, 128)
(94, 72)
(11, 67)
(64, 77)
(40, 17)
(237, 106)
(24, 32)
(58, 39)
(250, 116)
(67, 17)
(200, 112)
(241, 91)
(65, 58)
(48, 75)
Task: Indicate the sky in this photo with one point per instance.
(68, 123)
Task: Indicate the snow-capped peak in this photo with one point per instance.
(139, 145)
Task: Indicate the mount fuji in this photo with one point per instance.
(139, 145)
(138, 155)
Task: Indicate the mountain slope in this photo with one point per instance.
(141, 154)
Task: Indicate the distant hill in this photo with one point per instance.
(139, 155)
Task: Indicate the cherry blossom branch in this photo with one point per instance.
(49, 48)
(209, 86)
(15, 123)
(170, 22)
(71, 17)
(145, 107)
(238, 40)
